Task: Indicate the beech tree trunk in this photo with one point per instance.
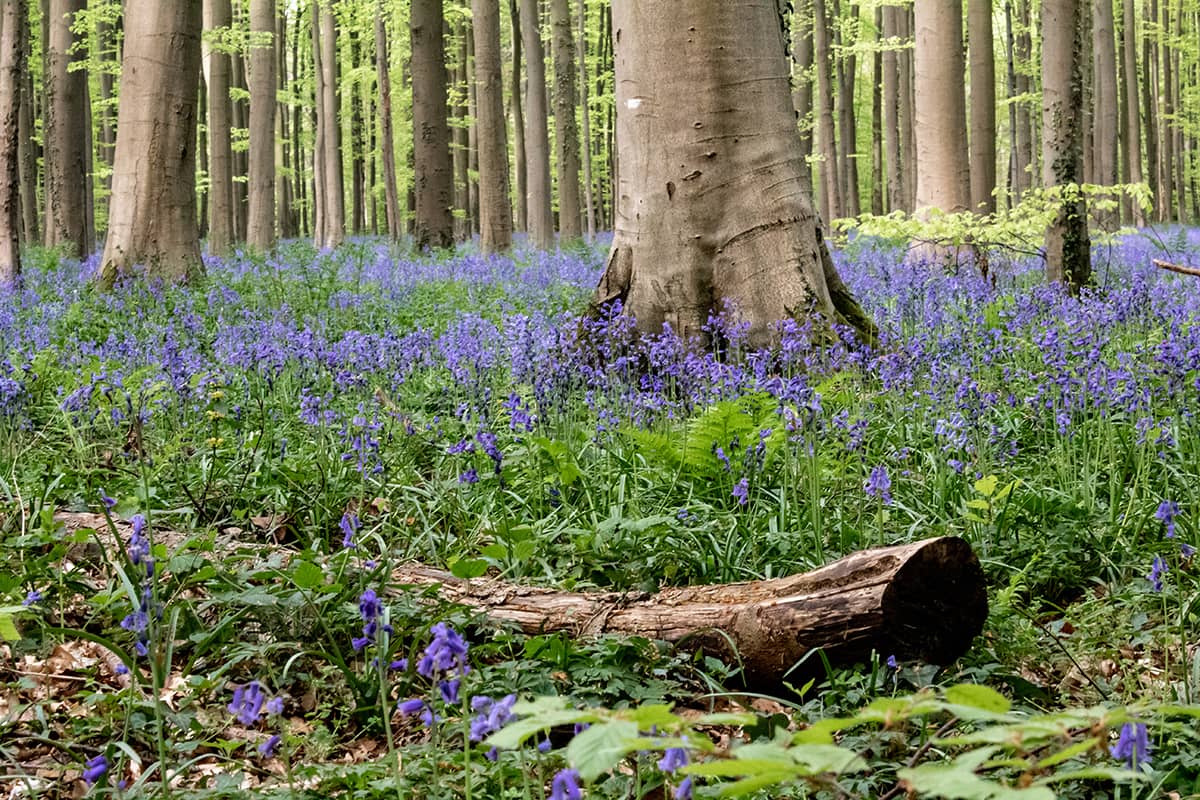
(943, 171)
(877, 173)
(218, 14)
(27, 148)
(386, 131)
(152, 219)
(458, 134)
(334, 193)
(714, 210)
(891, 108)
(1068, 250)
(320, 223)
(495, 211)
(260, 230)
(585, 106)
(433, 173)
(983, 106)
(1132, 134)
(831, 196)
(1150, 108)
(1105, 112)
(924, 601)
(520, 161)
(12, 30)
(802, 86)
(847, 66)
(67, 117)
(566, 131)
(537, 137)
(908, 112)
(1024, 167)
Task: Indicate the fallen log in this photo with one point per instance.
(924, 600)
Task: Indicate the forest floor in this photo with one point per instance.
(206, 491)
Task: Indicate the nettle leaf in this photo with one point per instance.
(601, 747)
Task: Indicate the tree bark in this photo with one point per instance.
(1024, 168)
(847, 68)
(458, 135)
(1166, 147)
(908, 112)
(537, 138)
(983, 106)
(13, 29)
(521, 164)
(1105, 111)
(1150, 107)
(1068, 250)
(891, 108)
(433, 173)
(831, 196)
(586, 109)
(802, 86)
(877, 182)
(943, 171)
(386, 131)
(472, 135)
(67, 117)
(714, 211)
(1132, 133)
(495, 211)
(27, 148)
(566, 131)
(922, 601)
(334, 193)
(260, 231)
(240, 123)
(285, 171)
(152, 221)
(218, 15)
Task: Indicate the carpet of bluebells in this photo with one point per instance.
(266, 445)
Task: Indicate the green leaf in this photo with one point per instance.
(469, 568)
(8, 626)
(975, 696)
(658, 714)
(753, 783)
(601, 747)
(1079, 748)
(981, 505)
(743, 767)
(514, 734)
(986, 485)
(307, 575)
(958, 781)
(819, 758)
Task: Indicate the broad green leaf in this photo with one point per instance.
(754, 783)
(514, 734)
(307, 575)
(980, 505)
(658, 714)
(818, 758)
(601, 747)
(1079, 748)
(8, 627)
(743, 767)
(976, 696)
(469, 568)
(958, 781)
(986, 485)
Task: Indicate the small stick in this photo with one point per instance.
(1182, 270)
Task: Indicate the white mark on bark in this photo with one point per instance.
(633, 102)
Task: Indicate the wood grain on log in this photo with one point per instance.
(924, 600)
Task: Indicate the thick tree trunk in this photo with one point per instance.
(12, 31)
(260, 232)
(334, 193)
(386, 131)
(537, 137)
(830, 196)
(943, 171)
(983, 106)
(1068, 251)
(433, 174)
(520, 161)
(1105, 112)
(566, 131)
(714, 211)
(67, 117)
(152, 221)
(891, 108)
(495, 212)
(925, 601)
(218, 14)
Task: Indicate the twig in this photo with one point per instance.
(1182, 270)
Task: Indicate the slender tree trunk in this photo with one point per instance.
(358, 149)
(585, 106)
(458, 136)
(13, 28)
(1150, 108)
(260, 233)
(433, 174)
(320, 211)
(67, 118)
(877, 184)
(521, 166)
(983, 106)
(847, 68)
(537, 137)
(472, 134)
(566, 132)
(1175, 88)
(202, 128)
(831, 198)
(495, 212)
(715, 211)
(1068, 251)
(240, 122)
(1024, 164)
(108, 131)
(908, 112)
(386, 132)
(802, 86)
(285, 167)
(943, 172)
(1132, 138)
(218, 14)
(891, 107)
(152, 220)
(1105, 113)
(335, 197)
(1166, 196)
(27, 148)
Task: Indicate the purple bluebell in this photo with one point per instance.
(1166, 513)
(247, 703)
(267, 748)
(349, 527)
(1158, 568)
(741, 491)
(674, 758)
(447, 652)
(1133, 745)
(879, 485)
(565, 785)
(33, 596)
(95, 769)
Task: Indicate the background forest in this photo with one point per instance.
(340, 455)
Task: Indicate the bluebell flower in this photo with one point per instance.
(544, 746)
(449, 691)
(94, 769)
(109, 502)
(446, 652)
(1166, 513)
(348, 526)
(139, 545)
(274, 706)
(1158, 568)
(565, 786)
(247, 703)
(879, 485)
(411, 706)
(741, 491)
(892, 663)
(1186, 550)
(684, 790)
(34, 596)
(673, 759)
(267, 748)
(1133, 745)
(491, 715)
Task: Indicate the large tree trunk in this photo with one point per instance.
(387, 134)
(983, 106)
(566, 132)
(1068, 251)
(260, 231)
(152, 221)
(923, 601)
(943, 171)
(1105, 113)
(218, 14)
(12, 30)
(495, 212)
(334, 193)
(520, 162)
(831, 196)
(714, 210)
(433, 173)
(537, 137)
(67, 118)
